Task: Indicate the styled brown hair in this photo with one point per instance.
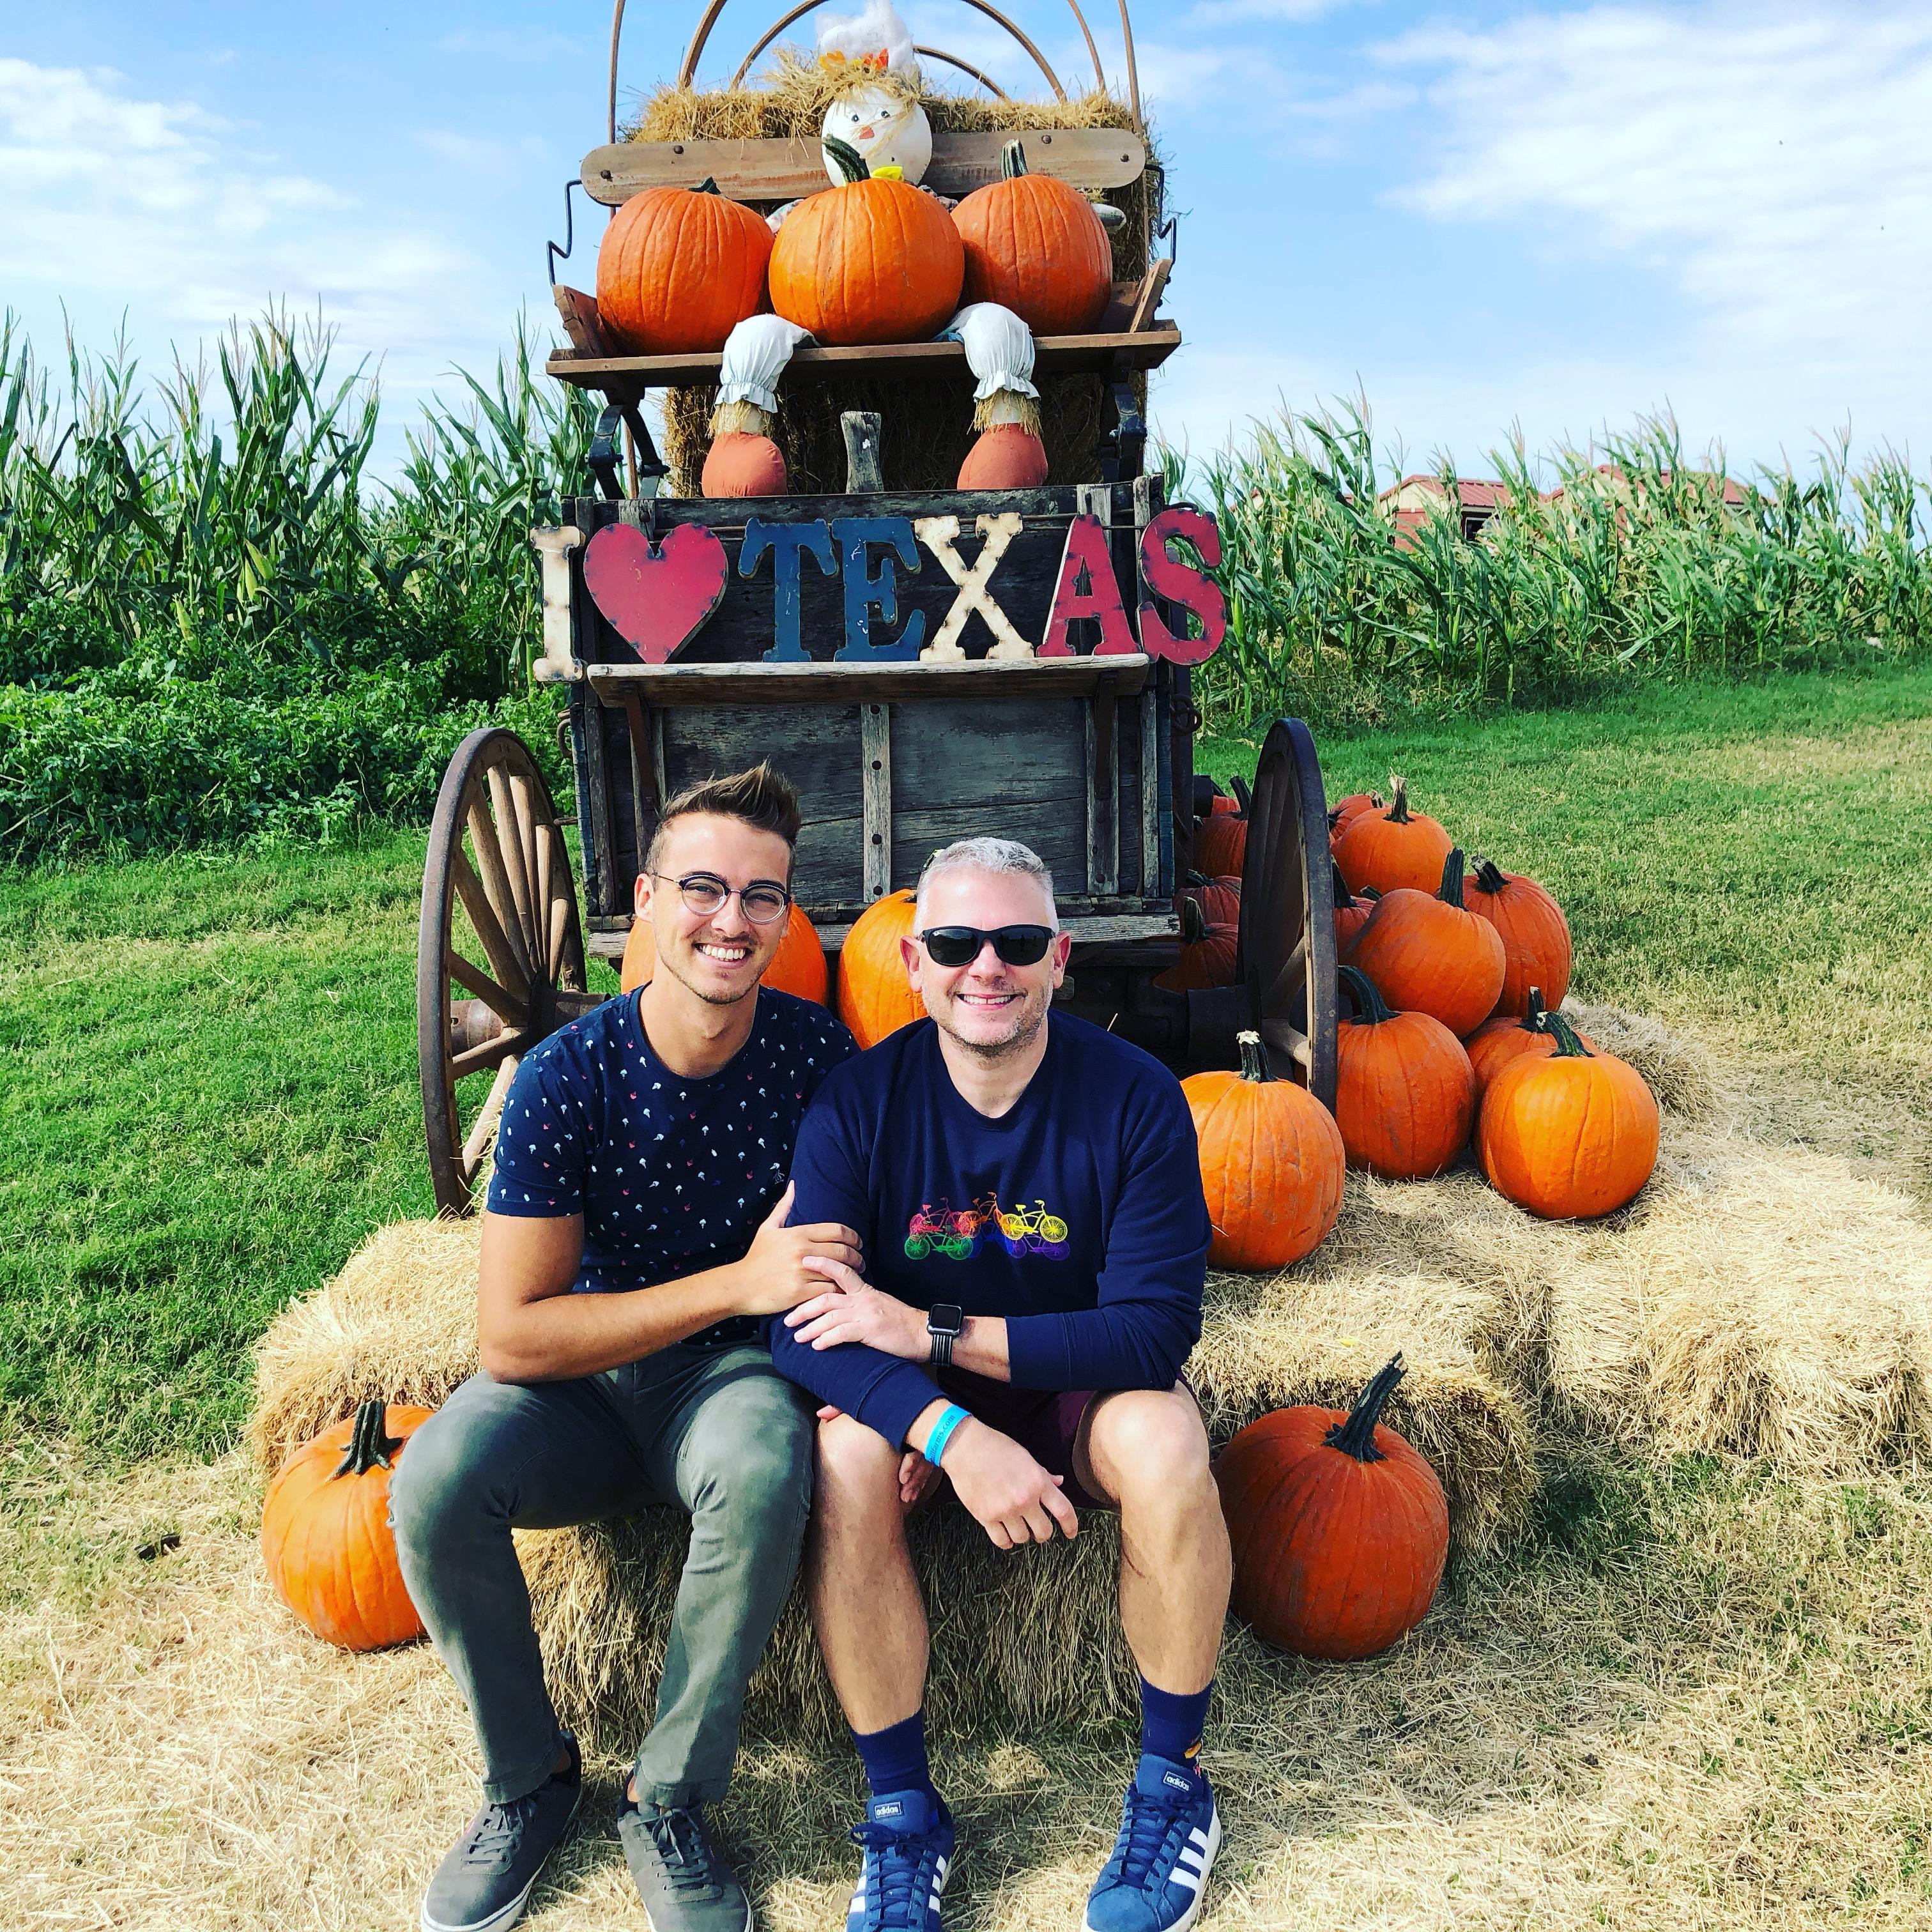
(760, 797)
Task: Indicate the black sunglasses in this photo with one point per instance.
(959, 945)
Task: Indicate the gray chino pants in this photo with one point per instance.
(717, 1432)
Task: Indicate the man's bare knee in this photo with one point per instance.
(1148, 1445)
(858, 1472)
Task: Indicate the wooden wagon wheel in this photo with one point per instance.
(497, 856)
(1287, 948)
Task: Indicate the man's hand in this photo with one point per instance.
(917, 1475)
(776, 1273)
(850, 1311)
(1013, 1499)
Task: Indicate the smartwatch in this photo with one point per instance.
(943, 1325)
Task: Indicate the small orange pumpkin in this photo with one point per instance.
(1345, 811)
(1207, 952)
(874, 997)
(1535, 934)
(873, 260)
(325, 1535)
(1339, 1528)
(1034, 245)
(1570, 1135)
(1427, 953)
(1271, 1163)
(1220, 899)
(1391, 846)
(1404, 1093)
(679, 268)
(1497, 1041)
(797, 967)
(1221, 844)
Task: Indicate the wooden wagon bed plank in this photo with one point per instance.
(823, 683)
(775, 170)
(627, 376)
(605, 939)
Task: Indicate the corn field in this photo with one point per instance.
(1625, 562)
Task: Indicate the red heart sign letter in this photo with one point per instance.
(656, 600)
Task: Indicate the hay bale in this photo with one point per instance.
(1677, 1068)
(926, 429)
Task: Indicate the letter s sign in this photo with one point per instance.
(1165, 576)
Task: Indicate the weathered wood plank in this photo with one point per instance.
(863, 476)
(582, 322)
(875, 736)
(975, 679)
(1103, 792)
(604, 939)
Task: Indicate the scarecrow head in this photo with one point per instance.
(875, 78)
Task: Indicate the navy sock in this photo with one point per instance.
(1172, 1725)
(895, 1758)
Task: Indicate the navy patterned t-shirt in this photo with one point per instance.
(672, 1175)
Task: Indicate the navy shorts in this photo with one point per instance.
(1045, 1422)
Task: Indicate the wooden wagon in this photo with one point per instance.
(924, 666)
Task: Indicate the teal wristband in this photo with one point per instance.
(942, 1432)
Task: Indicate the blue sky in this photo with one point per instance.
(1482, 215)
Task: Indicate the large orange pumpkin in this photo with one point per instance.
(797, 967)
(871, 261)
(1271, 1163)
(1207, 952)
(679, 268)
(1339, 1528)
(1034, 245)
(1220, 899)
(1535, 934)
(1497, 1041)
(1570, 1135)
(874, 998)
(1427, 953)
(1391, 846)
(325, 1534)
(1404, 1093)
(1221, 844)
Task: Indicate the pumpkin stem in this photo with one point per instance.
(1398, 813)
(1568, 1046)
(1193, 922)
(370, 1444)
(1342, 894)
(851, 163)
(708, 185)
(1254, 1063)
(1356, 1436)
(1536, 1014)
(1451, 892)
(1012, 160)
(1489, 874)
(1371, 1009)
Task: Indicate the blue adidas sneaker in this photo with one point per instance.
(908, 1840)
(1170, 1831)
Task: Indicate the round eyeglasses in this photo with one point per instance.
(704, 894)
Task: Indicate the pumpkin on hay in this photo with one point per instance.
(1339, 1528)
(874, 996)
(1535, 934)
(1208, 953)
(1389, 846)
(1034, 245)
(1271, 1163)
(1497, 1041)
(1404, 1092)
(325, 1535)
(875, 260)
(1351, 910)
(797, 967)
(1428, 953)
(679, 268)
(1571, 1134)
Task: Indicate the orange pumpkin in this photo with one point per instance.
(1345, 811)
(1221, 844)
(1271, 1163)
(1207, 952)
(1535, 934)
(1220, 899)
(1034, 245)
(1497, 1041)
(1570, 1135)
(1008, 456)
(797, 967)
(1427, 953)
(325, 1535)
(874, 998)
(740, 465)
(1351, 910)
(871, 261)
(1391, 846)
(679, 268)
(1339, 1528)
(1404, 1092)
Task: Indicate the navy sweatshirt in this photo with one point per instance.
(1078, 1216)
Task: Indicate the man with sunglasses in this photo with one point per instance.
(635, 1241)
(1027, 1193)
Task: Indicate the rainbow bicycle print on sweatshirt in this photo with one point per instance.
(954, 1234)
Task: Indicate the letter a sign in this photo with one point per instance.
(1088, 590)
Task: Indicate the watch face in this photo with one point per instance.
(947, 1318)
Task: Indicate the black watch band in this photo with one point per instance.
(943, 1325)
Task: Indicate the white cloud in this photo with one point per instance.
(1774, 161)
(474, 155)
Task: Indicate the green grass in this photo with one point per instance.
(209, 1093)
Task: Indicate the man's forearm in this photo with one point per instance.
(981, 1349)
(562, 1337)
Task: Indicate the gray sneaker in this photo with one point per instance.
(680, 1874)
(486, 1881)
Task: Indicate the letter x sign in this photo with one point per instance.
(938, 534)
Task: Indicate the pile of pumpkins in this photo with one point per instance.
(1453, 971)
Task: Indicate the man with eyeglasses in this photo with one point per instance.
(635, 1240)
(1027, 1190)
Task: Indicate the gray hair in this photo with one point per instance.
(987, 855)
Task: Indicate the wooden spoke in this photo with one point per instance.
(542, 900)
(473, 1060)
(483, 1135)
(506, 960)
(560, 930)
(473, 980)
(494, 870)
(510, 843)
